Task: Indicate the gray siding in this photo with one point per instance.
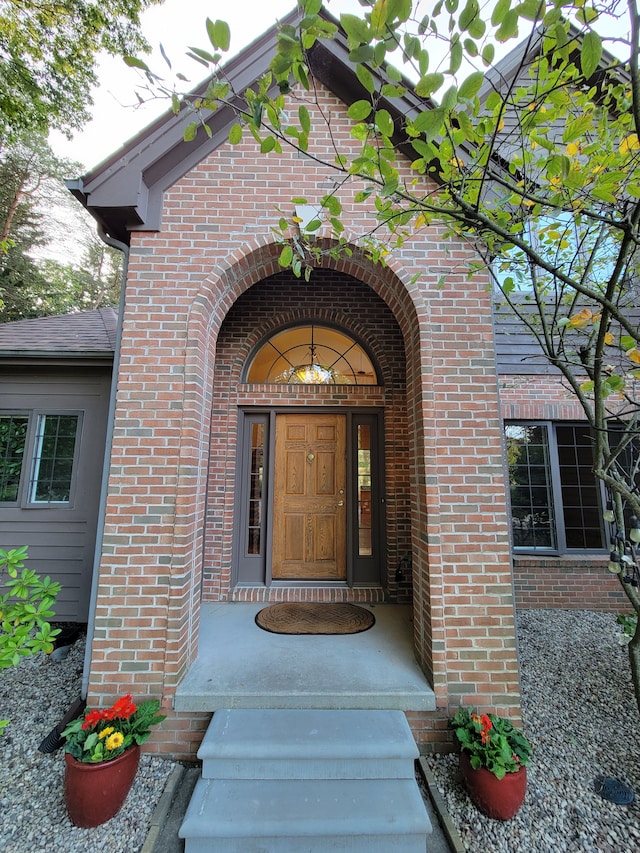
(61, 540)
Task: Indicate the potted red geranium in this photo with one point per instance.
(493, 761)
(102, 751)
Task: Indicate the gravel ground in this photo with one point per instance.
(578, 707)
(580, 712)
(33, 819)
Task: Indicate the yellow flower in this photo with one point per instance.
(106, 732)
(115, 740)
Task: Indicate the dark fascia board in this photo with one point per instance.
(125, 192)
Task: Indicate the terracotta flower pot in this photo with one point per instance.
(496, 798)
(94, 793)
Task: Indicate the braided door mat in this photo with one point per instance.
(314, 618)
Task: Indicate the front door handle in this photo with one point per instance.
(340, 503)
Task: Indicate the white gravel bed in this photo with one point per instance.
(33, 819)
(580, 712)
(578, 707)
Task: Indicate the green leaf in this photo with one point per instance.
(134, 62)
(355, 28)
(508, 29)
(219, 34)
(393, 73)
(286, 256)
(366, 78)
(399, 10)
(267, 144)
(627, 342)
(471, 86)
(384, 123)
(332, 204)
(359, 110)
(235, 134)
(499, 12)
(488, 53)
(469, 14)
(530, 9)
(362, 195)
(455, 57)
(590, 53)
(450, 98)
(429, 122)
(603, 194)
(429, 84)
(362, 54)
(389, 90)
(576, 129)
(190, 131)
(379, 16)
(304, 119)
(203, 56)
(615, 382)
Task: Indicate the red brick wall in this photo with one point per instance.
(567, 583)
(169, 521)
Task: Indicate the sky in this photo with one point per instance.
(176, 24)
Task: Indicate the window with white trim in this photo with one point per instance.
(37, 457)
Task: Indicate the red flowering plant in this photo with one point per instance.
(491, 741)
(100, 735)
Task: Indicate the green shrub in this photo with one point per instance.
(25, 608)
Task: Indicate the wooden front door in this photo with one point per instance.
(310, 505)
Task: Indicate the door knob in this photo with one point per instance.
(340, 503)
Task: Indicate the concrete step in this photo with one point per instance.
(306, 816)
(295, 744)
(307, 781)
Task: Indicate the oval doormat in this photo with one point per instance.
(314, 618)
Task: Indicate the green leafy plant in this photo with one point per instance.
(628, 623)
(492, 742)
(103, 734)
(25, 609)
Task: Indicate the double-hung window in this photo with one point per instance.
(555, 498)
(38, 452)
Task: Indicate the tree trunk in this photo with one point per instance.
(634, 660)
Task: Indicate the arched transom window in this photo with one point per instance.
(312, 355)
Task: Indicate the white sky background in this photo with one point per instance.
(176, 24)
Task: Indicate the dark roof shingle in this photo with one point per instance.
(83, 332)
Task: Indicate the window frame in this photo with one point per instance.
(555, 488)
(303, 324)
(26, 481)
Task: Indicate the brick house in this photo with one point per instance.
(223, 397)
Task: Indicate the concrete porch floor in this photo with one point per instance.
(241, 666)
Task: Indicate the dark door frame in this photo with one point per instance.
(254, 569)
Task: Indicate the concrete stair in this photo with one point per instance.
(307, 781)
